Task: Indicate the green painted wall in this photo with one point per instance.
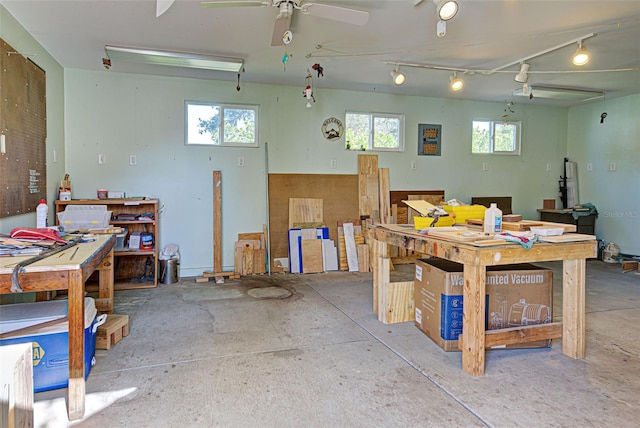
(616, 194)
(122, 114)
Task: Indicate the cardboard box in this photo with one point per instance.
(516, 295)
(50, 344)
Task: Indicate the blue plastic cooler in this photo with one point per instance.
(50, 344)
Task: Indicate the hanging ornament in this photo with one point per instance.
(308, 89)
(317, 67)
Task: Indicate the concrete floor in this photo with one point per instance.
(208, 355)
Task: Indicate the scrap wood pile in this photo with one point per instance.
(250, 253)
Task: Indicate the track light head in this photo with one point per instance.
(398, 77)
(455, 83)
(523, 75)
(446, 9)
(581, 56)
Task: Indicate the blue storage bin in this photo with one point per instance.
(50, 344)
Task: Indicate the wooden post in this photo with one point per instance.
(105, 283)
(573, 308)
(76, 389)
(473, 311)
(384, 195)
(217, 221)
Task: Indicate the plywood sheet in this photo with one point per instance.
(368, 186)
(23, 113)
(305, 210)
(339, 193)
(311, 255)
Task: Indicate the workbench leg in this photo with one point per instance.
(76, 389)
(380, 272)
(105, 279)
(473, 328)
(573, 308)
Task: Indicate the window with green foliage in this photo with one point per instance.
(374, 131)
(495, 137)
(221, 124)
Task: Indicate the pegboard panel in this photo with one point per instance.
(23, 125)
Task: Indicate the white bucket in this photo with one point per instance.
(609, 252)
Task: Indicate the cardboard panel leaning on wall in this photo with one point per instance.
(339, 193)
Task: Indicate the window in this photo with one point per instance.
(374, 131)
(221, 124)
(495, 137)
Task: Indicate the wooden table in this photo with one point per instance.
(475, 259)
(69, 270)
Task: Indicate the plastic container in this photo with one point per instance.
(493, 219)
(50, 345)
(42, 211)
(120, 240)
(610, 252)
(463, 212)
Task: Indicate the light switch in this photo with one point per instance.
(102, 159)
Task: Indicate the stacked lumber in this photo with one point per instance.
(351, 247)
(250, 253)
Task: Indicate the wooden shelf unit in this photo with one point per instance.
(133, 268)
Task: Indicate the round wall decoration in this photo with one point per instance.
(332, 129)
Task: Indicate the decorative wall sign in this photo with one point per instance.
(332, 129)
(429, 139)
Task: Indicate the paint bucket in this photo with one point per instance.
(169, 271)
(610, 252)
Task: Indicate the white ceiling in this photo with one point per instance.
(485, 35)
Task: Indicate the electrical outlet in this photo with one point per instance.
(133, 160)
(589, 166)
(334, 163)
(612, 166)
(413, 164)
(548, 167)
(102, 159)
(485, 166)
(241, 162)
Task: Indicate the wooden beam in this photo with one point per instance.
(384, 195)
(522, 334)
(474, 292)
(217, 221)
(573, 308)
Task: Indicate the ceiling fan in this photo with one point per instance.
(286, 9)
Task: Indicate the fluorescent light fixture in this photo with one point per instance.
(523, 74)
(398, 76)
(581, 57)
(559, 93)
(455, 83)
(447, 9)
(175, 59)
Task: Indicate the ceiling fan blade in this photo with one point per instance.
(281, 25)
(162, 6)
(337, 13)
(238, 3)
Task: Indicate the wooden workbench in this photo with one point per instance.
(68, 270)
(475, 260)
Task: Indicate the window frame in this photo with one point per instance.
(492, 124)
(377, 115)
(222, 106)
